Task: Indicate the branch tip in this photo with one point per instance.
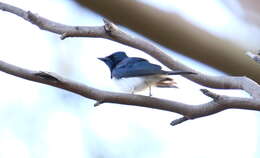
(98, 103)
(64, 35)
(179, 120)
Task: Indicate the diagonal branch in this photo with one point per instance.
(112, 32)
(177, 33)
(187, 110)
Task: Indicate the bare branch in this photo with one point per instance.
(175, 32)
(189, 111)
(112, 32)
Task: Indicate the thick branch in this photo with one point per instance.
(112, 32)
(189, 111)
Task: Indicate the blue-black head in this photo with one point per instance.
(113, 59)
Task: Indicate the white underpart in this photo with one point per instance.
(136, 84)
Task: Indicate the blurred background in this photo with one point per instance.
(39, 121)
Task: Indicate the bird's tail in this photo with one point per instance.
(166, 83)
(179, 73)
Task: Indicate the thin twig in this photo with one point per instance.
(98, 103)
(179, 120)
(210, 94)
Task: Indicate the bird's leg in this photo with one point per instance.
(150, 91)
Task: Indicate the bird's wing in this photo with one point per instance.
(133, 67)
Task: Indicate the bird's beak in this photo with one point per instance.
(102, 59)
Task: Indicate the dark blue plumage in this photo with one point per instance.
(141, 71)
(133, 67)
(113, 60)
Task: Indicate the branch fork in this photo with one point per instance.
(210, 94)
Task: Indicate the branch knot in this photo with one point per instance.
(47, 76)
(109, 27)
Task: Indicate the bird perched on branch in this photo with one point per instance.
(133, 74)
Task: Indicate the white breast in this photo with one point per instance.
(131, 84)
(135, 84)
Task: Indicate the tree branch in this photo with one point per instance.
(175, 32)
(187, 110)
(112, 32)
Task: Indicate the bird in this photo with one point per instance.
(134, 74)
